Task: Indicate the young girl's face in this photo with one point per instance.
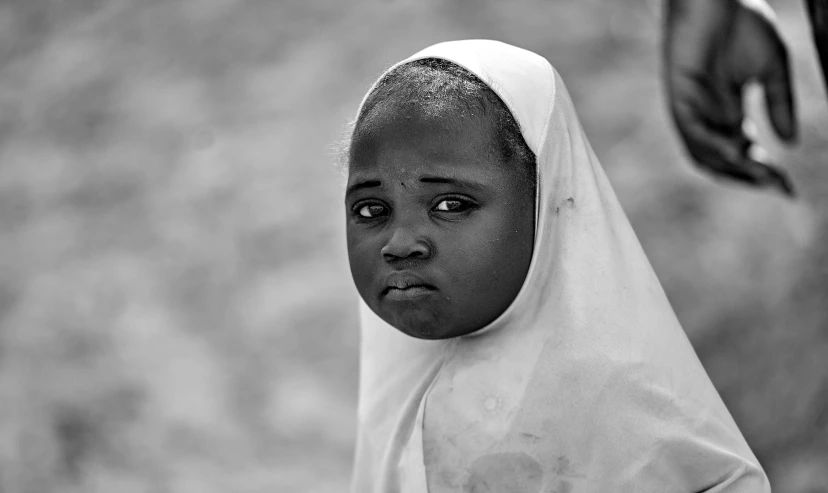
(440, 229)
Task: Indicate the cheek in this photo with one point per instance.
(489, 262)
(363, 255)
(491, 244)
(359, 256)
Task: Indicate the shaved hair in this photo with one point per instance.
(439, 87)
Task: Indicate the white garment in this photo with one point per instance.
(586, 383)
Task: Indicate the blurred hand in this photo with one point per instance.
(712, 48)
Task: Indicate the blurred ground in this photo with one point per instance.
(176, 311)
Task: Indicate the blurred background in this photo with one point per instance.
(176, 309)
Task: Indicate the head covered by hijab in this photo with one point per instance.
(586, 383)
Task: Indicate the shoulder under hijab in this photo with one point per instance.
(587, 383)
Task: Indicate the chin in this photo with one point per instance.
(431, 332)
(418, 328)
(421, 333)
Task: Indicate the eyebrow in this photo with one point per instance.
(452, 181)
(362, 184)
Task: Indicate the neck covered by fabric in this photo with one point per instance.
(587, 383)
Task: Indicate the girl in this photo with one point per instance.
(514, 335)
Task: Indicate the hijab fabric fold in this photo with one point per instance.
(586, 383)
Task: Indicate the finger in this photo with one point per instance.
(731, 156)
(731, 98)
(727, 170)
(705, 140)
(716, 141)
(757, 153)
(770, 174)
(708, 97)
(779, 95)
(755, 173)
(779, 179)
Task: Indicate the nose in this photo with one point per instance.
(405, 244)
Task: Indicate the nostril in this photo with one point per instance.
(403, 244)
(415, 250)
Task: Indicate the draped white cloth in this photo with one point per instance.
(586, 383)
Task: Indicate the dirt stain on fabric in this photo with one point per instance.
(531, 437)
(508, 472)
(570, 202)
(562, 487)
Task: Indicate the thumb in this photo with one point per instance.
(779, 94)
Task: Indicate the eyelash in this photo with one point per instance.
(466, 206)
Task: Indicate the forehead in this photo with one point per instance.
(395, 131)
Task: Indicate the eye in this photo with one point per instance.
(370, 211)
(452, 205)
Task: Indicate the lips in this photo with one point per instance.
(403, 284)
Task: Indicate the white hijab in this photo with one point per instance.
(586, 383)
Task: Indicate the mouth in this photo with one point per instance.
(406, 287)
(409, 293)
